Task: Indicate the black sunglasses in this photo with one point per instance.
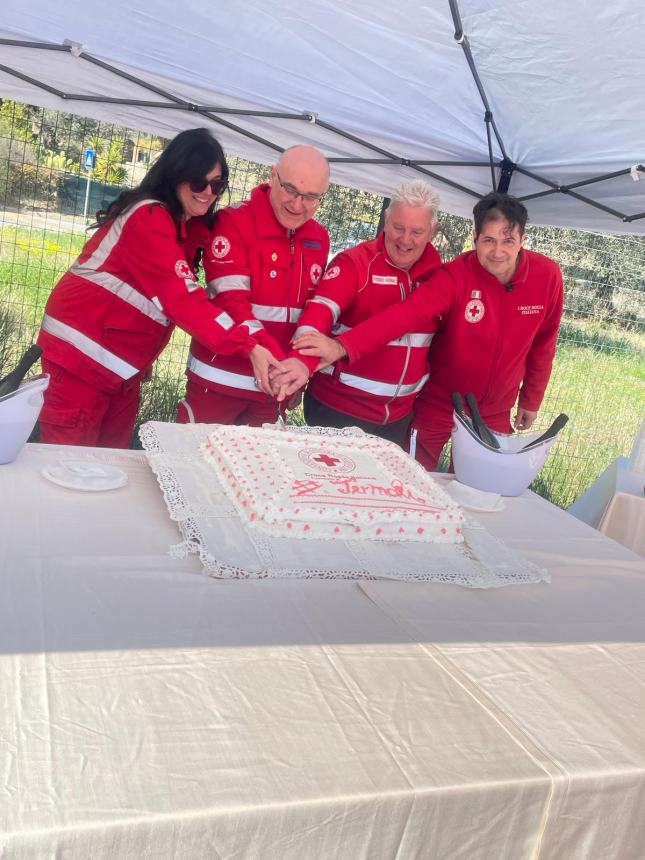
(218, 186)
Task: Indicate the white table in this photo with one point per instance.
(148, 711)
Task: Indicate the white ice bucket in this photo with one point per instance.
(508, 471)
(19, 412)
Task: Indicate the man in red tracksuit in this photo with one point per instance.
(378, 393)
(497, 311)
(263, 261)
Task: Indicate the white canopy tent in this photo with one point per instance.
(387, 92)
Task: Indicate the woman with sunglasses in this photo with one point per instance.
(114, 310)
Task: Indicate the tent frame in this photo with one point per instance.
(217, 114)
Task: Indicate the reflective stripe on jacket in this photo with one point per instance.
(358, 284)
(261, 274)
(113, 311)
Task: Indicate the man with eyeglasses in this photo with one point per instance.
(263, 260)
(378, 393)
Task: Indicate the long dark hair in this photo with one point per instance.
(188, 158)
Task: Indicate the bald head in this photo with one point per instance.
(298, 182)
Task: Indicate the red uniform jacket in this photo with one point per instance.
(261, 274)
(360, 283)
(112, 313)
(492, 338)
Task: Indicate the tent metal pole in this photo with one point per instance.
(602, 178)
(404, 162)
(305, 117)
(39, 84)
(187, 106)
(461, 39)
(348, 136)
(445, 181)
(582, 199)
(44, 46)
(134, 80)
(338, 160)
(453, 163)
(179, 101)
(507, 168)
(555, 188)
(274, 146)
(488, 118)
(597, 205)
(410, 163)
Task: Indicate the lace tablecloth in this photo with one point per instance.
(227, 548)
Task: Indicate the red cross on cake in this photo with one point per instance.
(327, 460)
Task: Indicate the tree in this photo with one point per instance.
(109, 166)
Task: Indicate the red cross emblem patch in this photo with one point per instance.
(331, 273)
(474, 311)
(182, 270)
(315, 272)
(220, 247)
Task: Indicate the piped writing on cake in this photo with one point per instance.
(359, 488)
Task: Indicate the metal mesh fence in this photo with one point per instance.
(47, 201)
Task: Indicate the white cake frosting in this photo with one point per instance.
(308, 486)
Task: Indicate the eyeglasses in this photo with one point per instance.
(218, 186)
(309, 197)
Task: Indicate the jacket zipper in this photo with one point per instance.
(500, 340)
(407, 352)
(292, 252)
(292, 245)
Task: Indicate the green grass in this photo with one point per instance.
(31, 262)
(602, 390)
(598, 377)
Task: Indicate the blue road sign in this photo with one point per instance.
(89, 157)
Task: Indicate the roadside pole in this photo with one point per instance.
(89, 158)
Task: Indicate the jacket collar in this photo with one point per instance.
(430, 259)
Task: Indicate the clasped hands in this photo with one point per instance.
(282, 379)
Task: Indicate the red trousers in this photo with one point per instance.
(433, 423)
(75, 413)
(204, 406)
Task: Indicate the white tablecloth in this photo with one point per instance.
(147, 711)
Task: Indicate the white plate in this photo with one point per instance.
(84, 475)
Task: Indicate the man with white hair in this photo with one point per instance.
(379, 393)
(496, 310)
(262, 260)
